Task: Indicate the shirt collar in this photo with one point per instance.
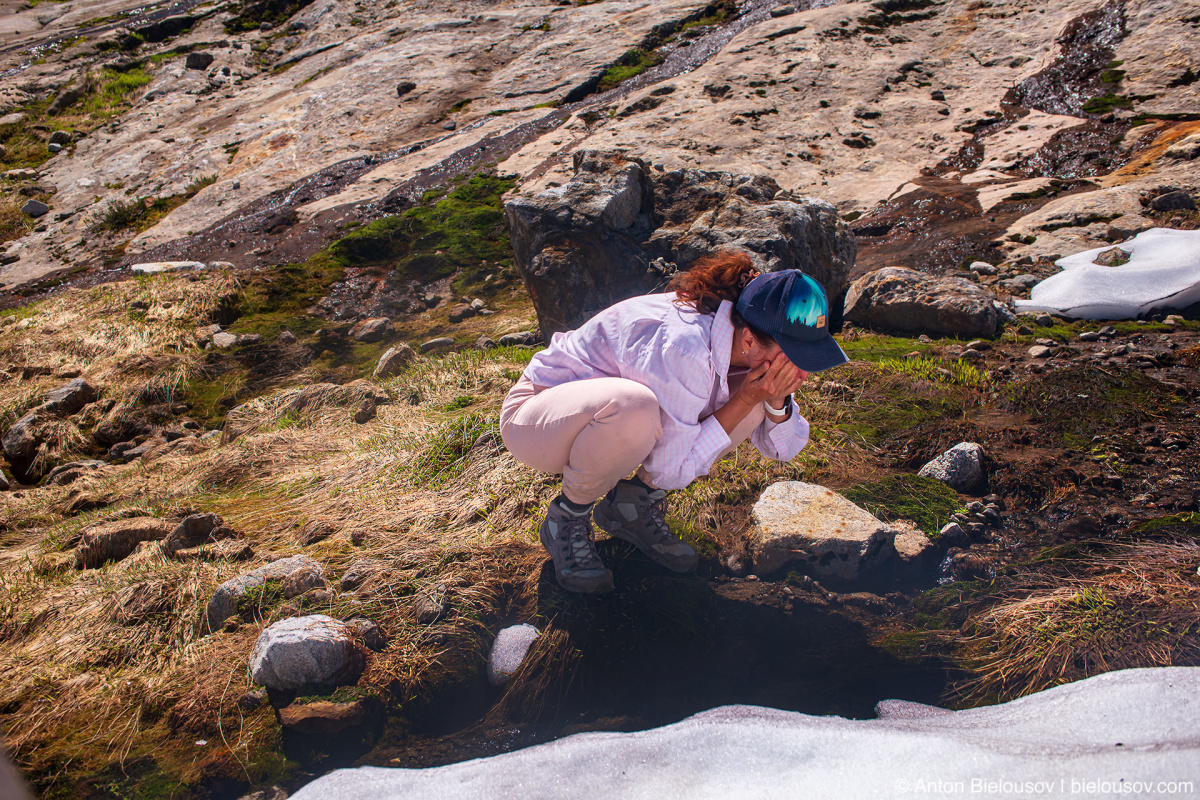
(722, 343)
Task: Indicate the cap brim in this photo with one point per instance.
(813, 356)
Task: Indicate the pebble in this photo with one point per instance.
(1044, 320)
(1039, 351)
(1089, 336)
(434, 344)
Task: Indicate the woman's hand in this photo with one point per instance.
(772, 382)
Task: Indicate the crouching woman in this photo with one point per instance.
(664, 385)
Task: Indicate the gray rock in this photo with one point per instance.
(1173, 201)
(366, 411)
(462, 311)
(205, 333)
(960, 467)
(225, 599)
(114, 540)
(54, 148)
(436, 344)
(371, 330)
(592, 242)
(449, 125)
(65, 100)
(484, 342)
(518, 338)
(782, 11)
(196, 530)
(822, 531)
(305, 651)
(508, 652)
(249, 339)
(393, 361)
(1044, 320)
(35, 208)
(315, 530)
(404, 87)
(70, 472)
(1040, 351)
(911, 543)
(904, 300)
(69, 398)
(199, 60)
(302, 581)
(953, 535)
(1021, 282)
(224, 340)
(4, 483)
(367, 632)
(60, 137)
(152, 267)
(1089, 336)
(286, 337)
(430, 604)
(983, 268)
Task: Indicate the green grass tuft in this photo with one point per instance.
(634, 62)
(927, 502)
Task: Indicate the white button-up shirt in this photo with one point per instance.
(683, 357)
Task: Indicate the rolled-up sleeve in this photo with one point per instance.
(689, 446)
(781, 441)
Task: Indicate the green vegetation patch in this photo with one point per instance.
(1105, 103)
(872, 347)
(1185, 522)
(927, 502)
(634, 62)
(253, 13)
(445, 451)
(712, 14)
(1080, 402)
(462, 233)
(140, 214)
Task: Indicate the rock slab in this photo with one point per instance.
(817, 528)
(1068, 733)
(305, 651)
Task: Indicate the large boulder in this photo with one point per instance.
(907, 301)
(113, 541)
(305, 651)
(615, 231)
(818, 530)
(225, 599)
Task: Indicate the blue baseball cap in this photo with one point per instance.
(791, 308)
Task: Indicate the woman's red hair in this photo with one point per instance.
(713, 278)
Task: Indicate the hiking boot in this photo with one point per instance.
(569, 540)
(632, 513)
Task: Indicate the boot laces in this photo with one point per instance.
(656, 508)
(580, 541)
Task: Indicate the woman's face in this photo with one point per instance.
(759, 354)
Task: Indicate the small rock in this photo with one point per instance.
(286, 337)
(484, 342)
(508, 652)
(60, 138)
(394, 361)
(35, 208)
(305, 651)
(366, 411)
(1108, 330)
(1173, 201)
(371, 330)
(1089, 336)
(151, 267)
(116, 539)
(953, 535)
(224, 340)
(303, 580)
(367, 632)
(323, 717)
(196, 530)
(252, 699)
(314, 531)
(518, 338)
(449, 125)
(54, 148)
(980, 345)
(1024, 330)
(199, 60)
(911, 543)
(354, 576)
(1044, 320)
(435, 344)
(983, 268)
(224, 600)
(205, 333)
(461, 312)
(404, 87)
(430, 604)
(782, 11)
(1040, 351)
(70, 472)
(960, 467)
(1113, 257)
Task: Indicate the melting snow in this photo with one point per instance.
(1163, 272)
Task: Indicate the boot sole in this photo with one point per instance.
(616, 529)
(600, 584)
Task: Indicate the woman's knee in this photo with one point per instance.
(634, 410)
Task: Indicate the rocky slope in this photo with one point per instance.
(301, 421)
